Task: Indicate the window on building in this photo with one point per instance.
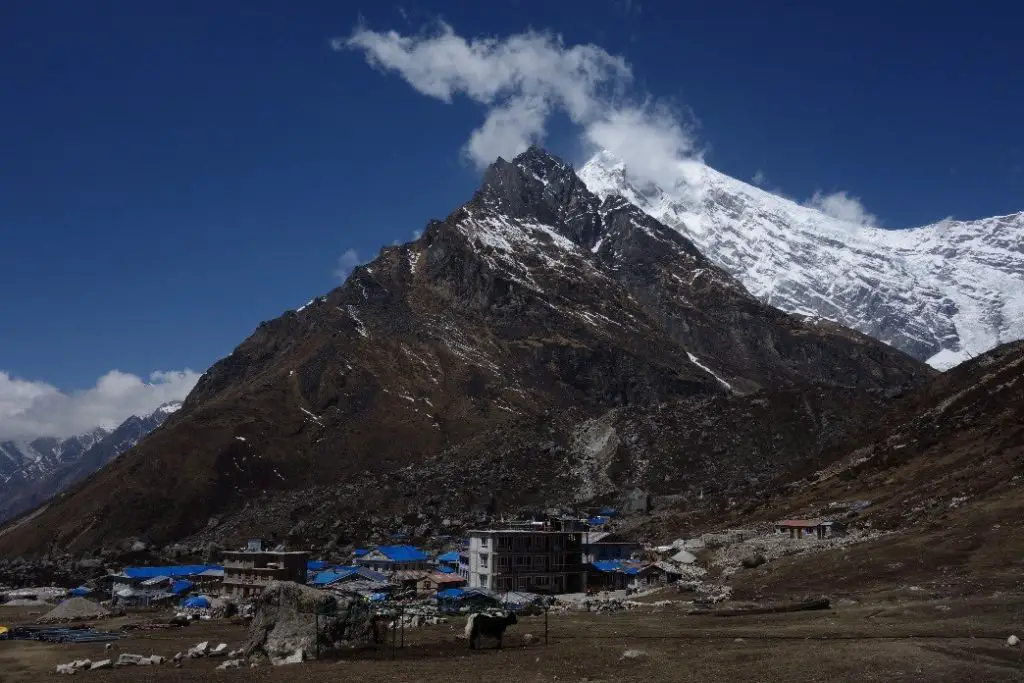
(522, 561)
(484, 541)
(504, 542)
(484, 558)
(503, 561)
(543, 580)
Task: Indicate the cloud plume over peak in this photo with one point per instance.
(525, 79)
(31, 409)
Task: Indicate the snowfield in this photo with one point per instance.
(942, 293)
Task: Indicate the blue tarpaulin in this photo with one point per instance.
(452, 556)
(197, 601)
(171, 571)
(80, 591)
(359, 552)
(378, 597)
(597, 520)
(317, 565)
(182, 586)
(451, 594)
(445, 570)
(607, 566)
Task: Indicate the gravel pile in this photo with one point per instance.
(75, 609)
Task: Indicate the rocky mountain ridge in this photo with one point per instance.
(540, 346)
(942, 293)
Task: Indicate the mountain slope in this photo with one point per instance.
(941, 293)
(943, 474)
(485, 349)
(66, 461)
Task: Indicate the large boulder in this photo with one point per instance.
(287, 615)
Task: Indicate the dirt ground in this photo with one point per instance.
(893, 640)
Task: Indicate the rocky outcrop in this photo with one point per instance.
(287, 617)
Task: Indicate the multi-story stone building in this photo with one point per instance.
(247, 572)
(536, 557)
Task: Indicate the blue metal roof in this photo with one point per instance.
(403, 553)
(317, 565)
(327, 577)
(171, 571)
(452, 556)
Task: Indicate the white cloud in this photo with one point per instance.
(523, 80)
(346, 262)
(844, 207)
(30, 409)
(649, 138)
(759, 179)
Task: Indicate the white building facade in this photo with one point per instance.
(529, 560)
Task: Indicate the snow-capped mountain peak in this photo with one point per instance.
(32, 471)
(942, 292)
(168, 408)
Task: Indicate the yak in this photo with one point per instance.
(488, 626)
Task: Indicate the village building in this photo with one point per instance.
(391, 558)
(448, 561)
(247, 572)
(605, 545)
(805, 528)
(610, 575)
(542, 557)
(407, 579)
(621, 574)
(357, 580)
(438, 581)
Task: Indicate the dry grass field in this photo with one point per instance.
(887, 640)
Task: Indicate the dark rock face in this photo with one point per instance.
(537, 347)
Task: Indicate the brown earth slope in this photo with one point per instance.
(477, 359)
(944, 474)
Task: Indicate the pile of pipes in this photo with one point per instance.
(63, 635)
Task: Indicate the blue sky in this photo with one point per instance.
(175, 172)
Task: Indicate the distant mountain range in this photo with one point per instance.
(942, 293)
(33, 471)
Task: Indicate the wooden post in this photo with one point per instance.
(546, 610)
